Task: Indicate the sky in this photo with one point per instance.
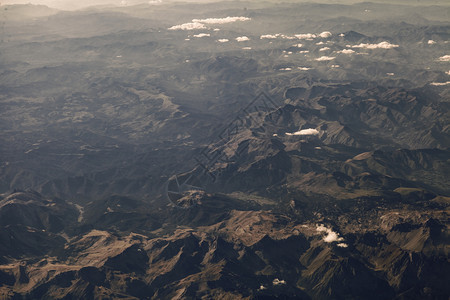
(77, 4)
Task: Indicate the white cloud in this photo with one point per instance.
(247, 48)
(242, 39)
(444, 58)
(325, 34)
(320, 43)
(188, 26)
(347, 51)
(305, 36)
(309, 131)
(221, 20)
(342, 35)
(152, 2)
(286, 69)
(223, 40)
(335, 66)
(324, 49)
(431, 42)
(325, 58)
(288, 37)
(440, 83)
(276, 281)
(448, 72)
(342, 245)
(187, 39)
(216, 29)
(200, 35)
(303, 51)
(200, 23)
(382, 45)
(304, 68)
(331, 235)
(390, 74)
(298, 45)
(270, 36)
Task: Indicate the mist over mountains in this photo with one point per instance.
(233, 150)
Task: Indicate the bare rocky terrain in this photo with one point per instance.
(231, 150)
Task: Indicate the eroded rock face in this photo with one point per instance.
(248, 253)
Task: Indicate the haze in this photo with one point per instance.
(74, 5)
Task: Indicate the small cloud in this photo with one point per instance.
(200, 35)
(325, 58)
(347, 51)
(153, 2)
(221, 20)
(440, 83)
(444, 58)
(303, 51)
(216, 29)
(390, 74)
(288, 37)
(331, 235)
(223, 40)
(262, 288)
(247, 48)
(342, 245)
(448, 72)
(188, 26)
(309, 131)
(382, 45)
(276, 281)
(324, 49)
(304, 68)
(269, 36)
(342, 35)
(335, 66)
(320, 43)
(325, 34)
(298, 45)
(305, 36)
(286, 69)
(431, 42)
(242, 39)
(187, 39)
